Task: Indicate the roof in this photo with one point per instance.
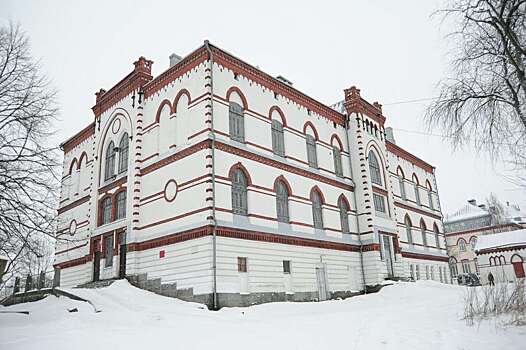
(502, 239)
(514, 214)
(468, 211)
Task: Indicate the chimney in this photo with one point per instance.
(98, 95)
(389, 135)
(472, 201)
(482, 206)
(174, 59)
(284, 80)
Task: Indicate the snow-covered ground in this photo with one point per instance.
(423, 315)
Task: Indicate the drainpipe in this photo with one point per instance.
(348, 127)
(214, 224)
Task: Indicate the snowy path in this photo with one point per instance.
(423, 315)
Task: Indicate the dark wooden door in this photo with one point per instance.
(96, 266)
(519, 269)
(122, 261)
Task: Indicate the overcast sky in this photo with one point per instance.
(392, 50)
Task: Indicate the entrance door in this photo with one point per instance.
(122, 261)
(388, 257)
(519, 269)
(321, 279)
(96, 266)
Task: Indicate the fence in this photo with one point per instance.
(45, 279)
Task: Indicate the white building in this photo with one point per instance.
(503, 254)
(219, 183)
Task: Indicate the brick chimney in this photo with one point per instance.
(99, 94)
(143, 65)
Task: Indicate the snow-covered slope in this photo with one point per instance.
(422, 315)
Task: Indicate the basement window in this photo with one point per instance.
(241, 264)
(286, 266)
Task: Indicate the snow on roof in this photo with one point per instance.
(514, 214)
(468, 211)
(339, 107)
(501, 239)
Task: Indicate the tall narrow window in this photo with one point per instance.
(453, 267)
(124, 146)
(312, 157)
(120, 211)
(237, 122)
(374, 169)
(108, 253)
(109, 166)
(437, 236)
(417, 194)
(278, 138)
(423, 230)
(338, 169)
(242, 264)
(462, 245)
(430, 200)
(408, 230)
(466, 268)
(317, 213)
(106, 208)
(401, 183)
(239, 193)
(473, 242)
(379, 203)
(417, 272)
(344, 217)
(282, 202)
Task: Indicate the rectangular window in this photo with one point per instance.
(417, 272)
(237, 122)
(379, 203)
(440, 273)
(465, 266)
(312, 157)
(417, 195)
(108, 253)
(402, 187)
(286, 266)
(412, 271)
(427, 272)
(430, 199)
(241, 264)
(338, 169)
(278, 139)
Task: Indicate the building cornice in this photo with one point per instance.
(402, 153)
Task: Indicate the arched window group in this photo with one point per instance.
(497, 260)
(423, 232)
(113, 207)
(110, 158)
(239, 189)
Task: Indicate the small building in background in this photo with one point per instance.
(464, 228)
(503, 254)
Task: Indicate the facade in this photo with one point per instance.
(465, 227)
(219, 183)
(503, 255)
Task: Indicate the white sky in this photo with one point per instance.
(392, 50)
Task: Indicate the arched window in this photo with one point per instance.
(417, 191)
(430, 196)
(278, 138)
(502, 260)
(492, 261)
(423, 230)
(239, 193)
(282, 202)
(338, 169)
(462, 245)
(236, 122)
(374, 169)
(437, 235)
(120, 202)
(312, 156)
(473, 242)
(408, 230)
(344, 217)
(317, 213)
(401, 184)
(106, 207)
(124, 146)
(109, 168)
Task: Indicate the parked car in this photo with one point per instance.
(468, 279)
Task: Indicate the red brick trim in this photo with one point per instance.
(400, 152)
(379, 190)
(281, 114)
(73, 204)
(501, 249)
(424, 256)
(72, 263)
(70, 249)
(114, 184)
(75, 140)
(416, 210)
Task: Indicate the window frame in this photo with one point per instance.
(312, 155)
(278, 138)
(317, 209)
(236, 121)
(287, 268)
(124, 150)
(120, 205)
(379, 203)
(337, 158)
(375, 171)
(106, 207)
(239, 192)
(108, 251)
(242, 264)
(109, 162)
(282, 201)
(344, 215)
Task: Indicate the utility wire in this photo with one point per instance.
(410, 101)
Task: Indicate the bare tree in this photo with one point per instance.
(28, 165)
(496, 208)
(484, 101)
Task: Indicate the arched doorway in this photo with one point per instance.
(518, 266)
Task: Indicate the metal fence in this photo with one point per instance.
(22, 284)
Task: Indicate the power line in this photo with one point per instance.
(410, 101)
